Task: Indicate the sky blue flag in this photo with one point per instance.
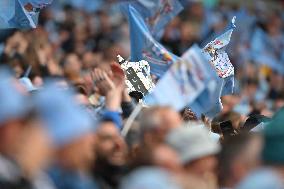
(206, 102)
(20, 13)
(181, 85)
(220, 62)
(212, 76)
(156, 13)
(193, 83)
(87, 5)
(145, 47)
(218, 58)
(37, 4)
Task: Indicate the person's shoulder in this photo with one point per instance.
(263, 178)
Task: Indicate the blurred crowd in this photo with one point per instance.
(64, 103)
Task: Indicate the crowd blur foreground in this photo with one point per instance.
(64, 103)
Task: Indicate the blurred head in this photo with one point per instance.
(273, 153)
(34, 151)
(14, 110)
(203, 167)
(161, 155)
(22, 135)
(110, 146)
(239, 156)
(188, 115)
(78, 154)
(156, 122)
(166, 157)
(10, 131)
(69, 126)
(72, 67)
(195, 149)
(150, 178)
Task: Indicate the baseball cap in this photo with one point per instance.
(192, 143)
(64, 119)
(13, 104)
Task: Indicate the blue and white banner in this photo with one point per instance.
(22, 14)
(184, 83)
(145, 47)
(156, 13)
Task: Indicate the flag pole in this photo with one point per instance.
(131, 119)
(28, 71)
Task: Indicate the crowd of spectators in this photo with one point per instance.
(63, 103)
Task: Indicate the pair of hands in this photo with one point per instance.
(17, 43)
(113, 81)
(111, 85)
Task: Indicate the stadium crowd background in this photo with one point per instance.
(76, 46)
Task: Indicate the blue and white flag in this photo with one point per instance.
(198, 76)
(36, 5)
(181, 85)
(206, 103)
(218, 58)
(20, 13)
(145, 47)
(220, 62)
(156, 13)
(211, 76)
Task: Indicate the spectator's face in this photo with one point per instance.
(89, 60)
(110, 146)
(73, 64)
(170, 119)
(9, 131)
(202, 166)
(27, 143)
(248, 159)
(165, 157)
(79, 154)
(35, 150)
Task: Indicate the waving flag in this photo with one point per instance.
(35, 5)
(218, 58)
(198, 79)
(145, 47)
(156, 13)
(190, 82)
(206, 102)
(20, 13)
(180, 86)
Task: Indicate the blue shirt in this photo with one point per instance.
(66, 179)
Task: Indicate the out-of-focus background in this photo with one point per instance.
(74, 36)
(70, 132)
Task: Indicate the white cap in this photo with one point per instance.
(149, 178)
(192, 143)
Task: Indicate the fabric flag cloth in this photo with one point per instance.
(145, 47)
(87, 5)
(36, 4)
(156, 13)
(206, 102)
(185, 83)
(20, 13)
(218, 58)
